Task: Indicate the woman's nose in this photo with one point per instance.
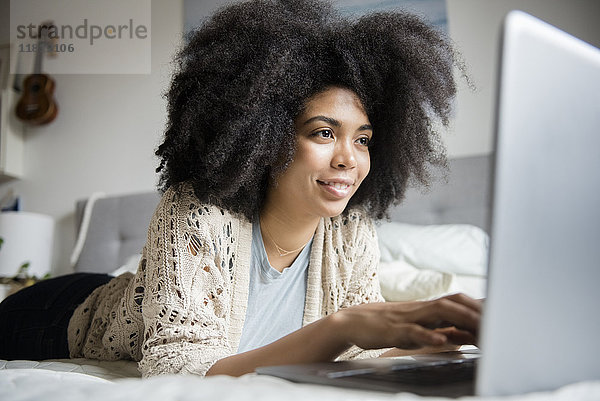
(343, 156)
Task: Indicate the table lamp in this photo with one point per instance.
(27, 237)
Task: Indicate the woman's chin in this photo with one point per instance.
(333, 210)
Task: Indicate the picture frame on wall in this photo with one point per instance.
(434, 11)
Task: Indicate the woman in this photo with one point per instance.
(289, 129)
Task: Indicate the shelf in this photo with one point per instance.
(11, 138)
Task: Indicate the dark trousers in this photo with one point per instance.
(34, 321)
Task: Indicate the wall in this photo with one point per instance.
(104, 137)
(475, 26)
(109, 126)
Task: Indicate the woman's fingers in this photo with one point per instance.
(475, 304)
(445, 312)
(416, 336)
(449, 320)
(457, 336)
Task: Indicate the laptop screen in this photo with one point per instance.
(541, 321)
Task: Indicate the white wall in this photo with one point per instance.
(104, 137)
(109, 126)
(475, 26)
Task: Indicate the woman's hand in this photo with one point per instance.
(453, 319)
(407, 325)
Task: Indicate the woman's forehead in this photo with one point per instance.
(334, 99)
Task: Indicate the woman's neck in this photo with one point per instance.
(285, 234)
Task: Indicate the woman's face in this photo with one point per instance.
(332, 156)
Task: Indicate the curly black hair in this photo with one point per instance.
(247, 72)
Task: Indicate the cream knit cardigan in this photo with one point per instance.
(184, 309)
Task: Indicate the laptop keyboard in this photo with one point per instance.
(433, 374)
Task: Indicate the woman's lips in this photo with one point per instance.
(337, 189)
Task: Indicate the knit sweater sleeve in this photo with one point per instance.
(186, 301)
(364, 284)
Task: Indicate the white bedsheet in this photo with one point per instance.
(109, 370)
(63, 381)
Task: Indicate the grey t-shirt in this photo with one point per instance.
(275, 300)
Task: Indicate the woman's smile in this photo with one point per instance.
(339, 187)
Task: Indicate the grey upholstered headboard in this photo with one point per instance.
(117, 230)
(464, 198)
(118, 224)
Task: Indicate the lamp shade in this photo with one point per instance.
(27, 237)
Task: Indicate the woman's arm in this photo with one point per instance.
(316, 342)
(408, 325)
(186, 298)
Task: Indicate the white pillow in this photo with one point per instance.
(130, 266)
(451, 248)
(400, 281)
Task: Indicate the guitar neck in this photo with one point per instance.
(39, 56)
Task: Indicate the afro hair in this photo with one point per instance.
(246, 73)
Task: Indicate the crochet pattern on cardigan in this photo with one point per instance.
(184, 309)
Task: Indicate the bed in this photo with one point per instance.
(435, 243)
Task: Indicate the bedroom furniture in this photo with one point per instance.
(118, 224)
(11, 137)
(28, 237)
(11, 129)
(460, 195)
(117, 230)
(69, 382)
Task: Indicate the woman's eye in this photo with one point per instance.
(324, 133)
(365, 141)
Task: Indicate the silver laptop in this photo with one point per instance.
(541, 320)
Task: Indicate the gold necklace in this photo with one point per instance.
(282, 252)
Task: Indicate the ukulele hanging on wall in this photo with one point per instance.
(37, 105)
